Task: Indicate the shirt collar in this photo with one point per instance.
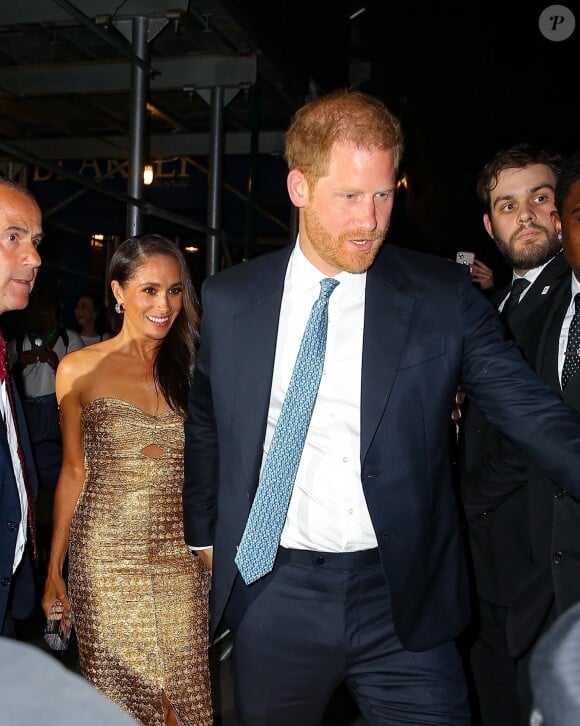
(533, 274)
(302, 276)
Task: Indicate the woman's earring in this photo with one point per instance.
(119, 308)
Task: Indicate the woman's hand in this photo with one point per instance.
(54, 589)
(206, 556)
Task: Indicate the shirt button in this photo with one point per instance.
(351, 510)
(345, 459)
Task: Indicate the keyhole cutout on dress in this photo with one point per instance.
(152, 451)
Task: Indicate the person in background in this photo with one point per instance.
(318, 473)
(35, 353)
(516, 189)
(555, 672)
(37, 689)
(548, 581)
(482, 275)
(88, 312)
(138, 596)
(20, 236)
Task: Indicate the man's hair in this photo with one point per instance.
(15, 186)
(569, 175)
(340, 116)
(518, 156)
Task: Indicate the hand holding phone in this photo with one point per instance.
(465, 258)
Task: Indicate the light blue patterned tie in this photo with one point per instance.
(260, 540)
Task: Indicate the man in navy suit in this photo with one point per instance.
(369, 586)
(20, 235)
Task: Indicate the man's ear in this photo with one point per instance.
(297, 188)
(487, 225)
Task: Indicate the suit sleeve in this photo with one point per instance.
(515, 399)
(201, 449)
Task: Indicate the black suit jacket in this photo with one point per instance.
(499, 535)
(552, 582)
(426, 330)
(15, 589)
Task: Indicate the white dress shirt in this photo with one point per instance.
(6, 412)
(327, 510)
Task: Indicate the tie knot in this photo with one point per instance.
(519, 285)
(327, 285)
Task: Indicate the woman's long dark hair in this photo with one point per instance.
(177, 353)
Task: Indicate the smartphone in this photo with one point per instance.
(465, 258)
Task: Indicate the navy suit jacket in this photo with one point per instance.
(17, 589)
(426, 330)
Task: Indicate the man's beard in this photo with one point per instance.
(531, 255)
(333, 250)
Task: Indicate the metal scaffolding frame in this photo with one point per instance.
(215, 78)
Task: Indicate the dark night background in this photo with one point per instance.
(466, 78)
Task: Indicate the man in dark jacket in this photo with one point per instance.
(20, 235)
(516, 189)
(318, 478)
(548, 581)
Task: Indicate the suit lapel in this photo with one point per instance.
(540, 289)
(254, 347)
(548, 345)
(387, 319)
(498, 296)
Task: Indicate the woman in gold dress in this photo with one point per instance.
(138, 596)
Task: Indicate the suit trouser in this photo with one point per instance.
(502, 684)
(494, 671)
(322, 619)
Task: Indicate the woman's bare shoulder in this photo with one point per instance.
(85, 360)
(88, 372)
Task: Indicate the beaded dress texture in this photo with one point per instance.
(139, 598)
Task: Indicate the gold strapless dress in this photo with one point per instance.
(139, 597)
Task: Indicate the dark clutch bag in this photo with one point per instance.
(58, 627)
